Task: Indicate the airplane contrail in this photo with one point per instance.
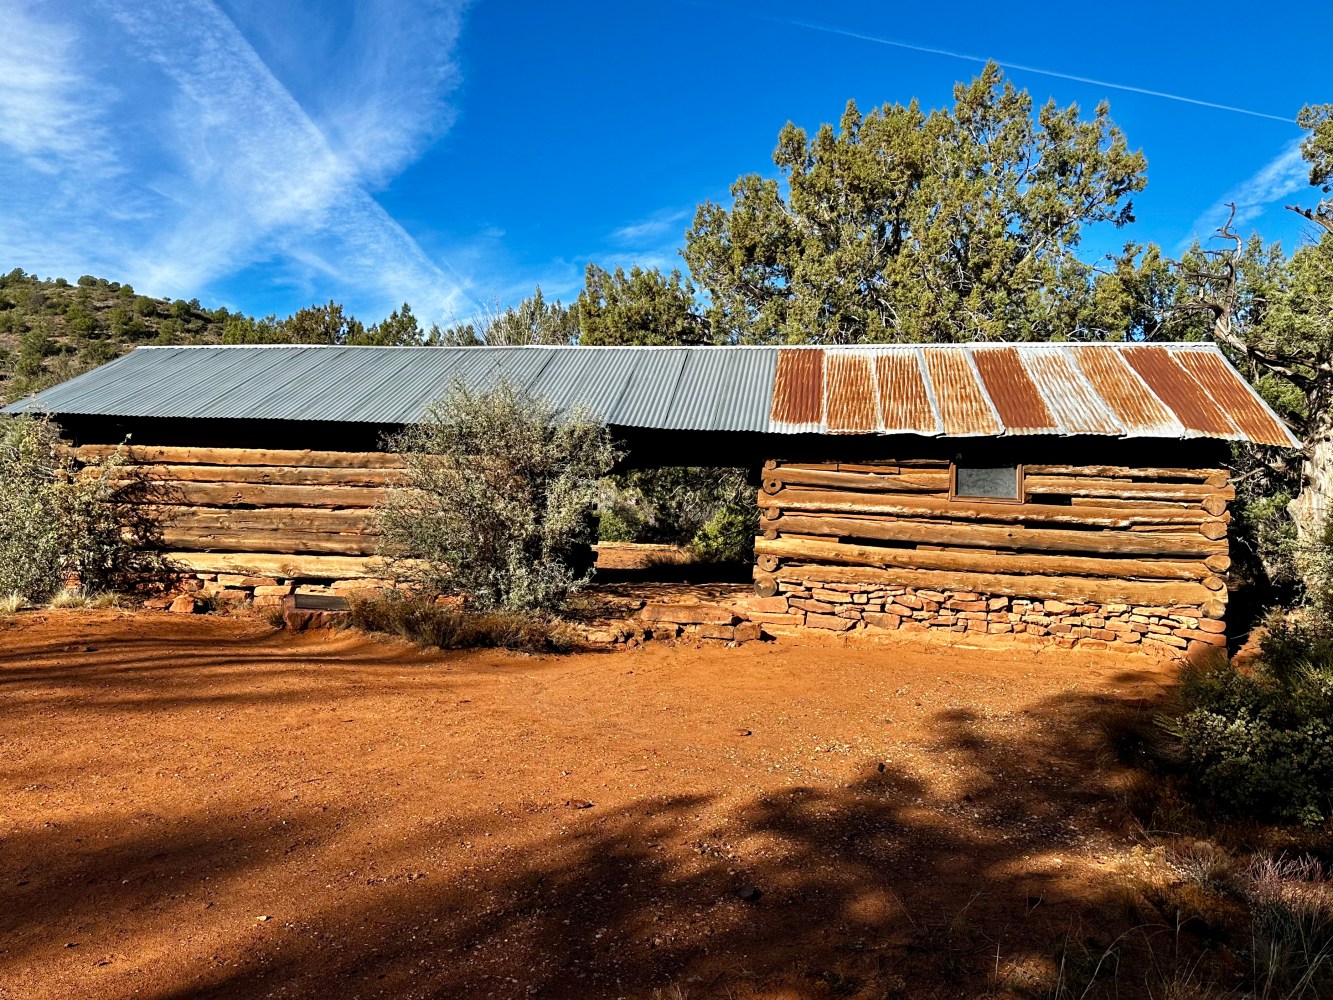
(949, 53)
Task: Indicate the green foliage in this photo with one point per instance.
(422, 621)
(710, 510)
(642, 307)
(326, 324)
(399, 329)
(903, 225)
(532, 321)
(1259, 741)
(60, 520)
(499, 499)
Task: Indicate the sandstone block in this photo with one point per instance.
(1198, 635)
(882, 621)
(688, 614)
(958, 604)
(748, 632)
(1211, 625)
(709, 631)
(831, 596)
(761, 605)
(909, 601)
(185, 605)
(231, 596)
(1057, 607)
(965, 595)
(997, 603)
(831, 622)
(930, 595)
(818, 607)
(239, 580)
(277, 590)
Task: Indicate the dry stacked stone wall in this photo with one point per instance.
(849, 608)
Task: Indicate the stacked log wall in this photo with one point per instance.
(1098, 553)
(274, 518)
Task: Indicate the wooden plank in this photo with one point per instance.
(1126, 472)
(246, 495)
(274, 475)
(1057, 588)
(168, 455)
(1087, 486)
(357, 521)
(812, 501)
(282, 565)
(920, 481)
(292, 542)
(1016, 538)
(1012, 563)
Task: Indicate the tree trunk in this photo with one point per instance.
(1313, 506)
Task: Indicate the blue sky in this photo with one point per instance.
(265, 155)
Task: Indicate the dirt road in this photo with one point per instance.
(201, 807)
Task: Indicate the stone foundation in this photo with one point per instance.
(235, 590)
(840, 607)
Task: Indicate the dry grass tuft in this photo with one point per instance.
(11, 603)
(421, 621)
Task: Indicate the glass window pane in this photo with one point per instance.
(988, 482)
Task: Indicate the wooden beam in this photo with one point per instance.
(811, 501)
(916, 481)
(1126, 472)
(1015, 563)
(1087, 486)
(307, 519)
(1012, 537)
(155, 455)
(1072, 589)
(246, 495)
(273, 475)
(282, 565)
(293, 542)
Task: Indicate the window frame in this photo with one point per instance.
(1020, 495)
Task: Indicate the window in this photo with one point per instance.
(985, 479)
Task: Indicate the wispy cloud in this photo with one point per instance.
(665, 224)
(1277, 180)
(202, 163)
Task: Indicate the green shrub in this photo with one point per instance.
(729, 534)
(1258, 741)
(499, 500)
(422, 621)
(61, 520)
(710, 510)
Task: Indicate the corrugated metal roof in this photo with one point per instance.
(958, 390)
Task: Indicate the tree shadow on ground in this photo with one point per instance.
(975, 878)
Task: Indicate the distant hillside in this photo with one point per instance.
(51, 330)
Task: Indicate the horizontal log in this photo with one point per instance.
(168, 455)
(1086, 486)
(1126, 472)
(918, 481)
(1013, 563)
(1056, 588)
(246, 495)
(273, 475)
(1008, 513)
(307, 519)
(293, 542)
(282, 565)
(1015, 538)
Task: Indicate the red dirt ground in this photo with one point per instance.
(202, 807)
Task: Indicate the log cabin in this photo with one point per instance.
(1072, 490)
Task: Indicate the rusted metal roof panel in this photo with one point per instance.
(798, 391)
(852, 406)
(1139, 412)
(965, 410)
(1017, 402)
(904, 398)
(1175, 387)
(1070, 398)
(1247, 410)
